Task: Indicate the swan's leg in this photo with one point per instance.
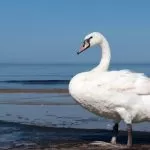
(129, 129)
(115, 133)
(126, 116)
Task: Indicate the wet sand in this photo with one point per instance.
(34, 91)
(17, 136)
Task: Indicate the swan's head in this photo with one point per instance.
(91, 40)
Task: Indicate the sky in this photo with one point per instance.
(51, 31)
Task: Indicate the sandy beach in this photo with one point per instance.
(43, 138)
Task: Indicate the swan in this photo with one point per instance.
(118, 95)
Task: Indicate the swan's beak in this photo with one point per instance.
(83, 48)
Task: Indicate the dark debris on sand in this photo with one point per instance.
(22, 137)
(78, 146)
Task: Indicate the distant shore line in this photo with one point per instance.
(59, 91)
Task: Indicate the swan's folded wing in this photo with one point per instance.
(125, 81)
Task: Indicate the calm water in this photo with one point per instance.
(51, 75)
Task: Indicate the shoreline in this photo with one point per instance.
(40, 91)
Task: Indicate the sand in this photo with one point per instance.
(33, 90)
(84, 146)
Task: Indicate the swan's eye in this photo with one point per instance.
(91, 37)
(88, 40)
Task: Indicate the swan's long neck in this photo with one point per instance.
(105, 58)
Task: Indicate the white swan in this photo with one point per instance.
(117, 95)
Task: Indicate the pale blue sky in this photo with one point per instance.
(45, 31)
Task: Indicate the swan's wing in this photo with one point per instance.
(124, 81)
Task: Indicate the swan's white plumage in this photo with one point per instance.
(118, 95)
(122, 81)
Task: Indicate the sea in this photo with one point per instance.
(22, 113)
(52, 75)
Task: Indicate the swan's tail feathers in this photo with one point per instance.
(146, 101)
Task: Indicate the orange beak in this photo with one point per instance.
(85, 46)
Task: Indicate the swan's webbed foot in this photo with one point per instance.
(129, 129)
(115, 133)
